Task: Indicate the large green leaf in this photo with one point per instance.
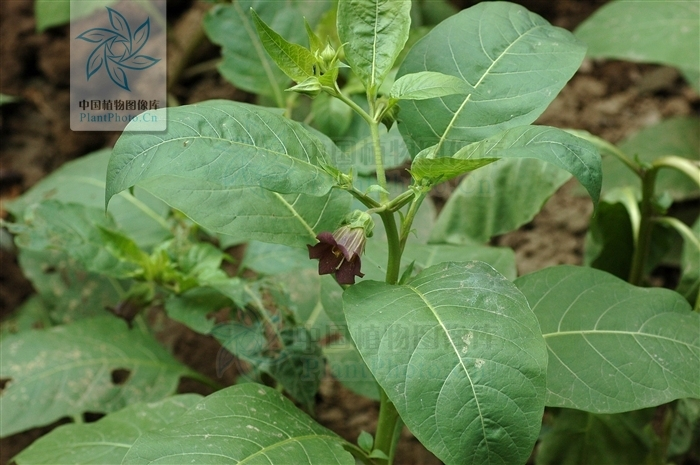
(253, 213)
(245, 63)
(71, 369)
(675, 136)
(373, 33)
(514, 62)
(563, 150)
(612, 346)
(581, 438)
(108, 440)
(82, 181)
(652, 31)
(460, 355)
(232, 144)
(497, 199)
(248, 423)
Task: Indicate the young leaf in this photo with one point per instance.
(236, 145)
(427, 84)
(443, 168)
(245, 63)
(69, 369)
(653, 32)
(460, 355)
(373, 33)
(613, 347)
(245, 423)
(495, 47)
(296, 61)
(108, 439)
(253, 213)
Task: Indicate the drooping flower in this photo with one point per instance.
(339, 252)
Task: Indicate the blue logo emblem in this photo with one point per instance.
(118, 49)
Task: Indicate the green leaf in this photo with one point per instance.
(427, 84)
(4, 99)
(497, 199)
(331, 116)
(299, 367)
(69, 292)
(294, 60)
(107, 440)
(193, 307)
(373, 33)
(228, 143)
(427, 255)
(245, 63)
(347, 366)
(67, 370)
(675, 136)
(78, 231)
(514, 62)
(612, 346)
(647, 31)
(585, 438)
(82, 181)
(275, 258)
(564, 150)
(684, 429)
(50, 13)
(245, 423)
(610, 240)
(443, 168)
(33, 313)
(460, 355)
(689, 285)
(365, 441)
(253, 213)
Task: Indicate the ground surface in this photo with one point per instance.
(608, 99)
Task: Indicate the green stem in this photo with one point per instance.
(387, 424)
(645, 226)
(378, 162)
(408, 220)
(392, 235)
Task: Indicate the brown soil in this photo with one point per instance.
(609, 99)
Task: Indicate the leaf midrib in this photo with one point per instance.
(461, 362)
(476, 86)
